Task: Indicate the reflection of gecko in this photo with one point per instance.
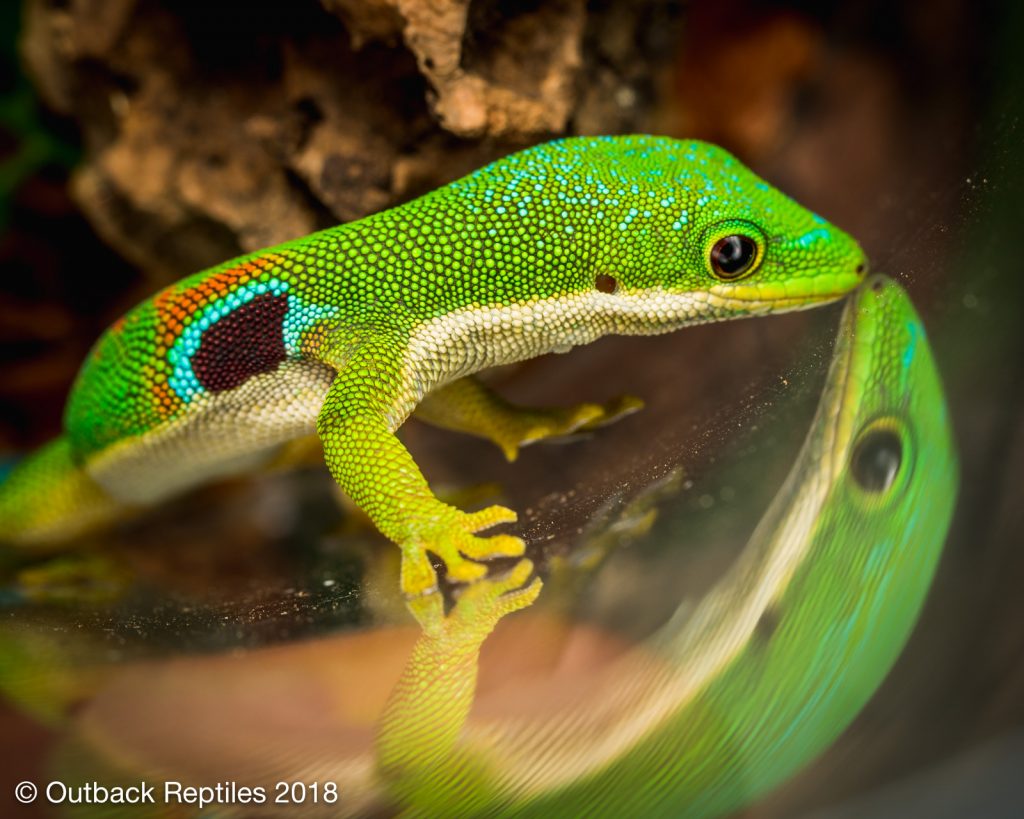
(349, 329)
(759, 676)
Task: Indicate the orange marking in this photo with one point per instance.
(165, 399)
(175, 308)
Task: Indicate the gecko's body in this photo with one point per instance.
(347, 330)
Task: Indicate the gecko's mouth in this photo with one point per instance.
(762, 306)
(767, 297)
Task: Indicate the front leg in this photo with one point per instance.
(356, 426)
(468, 406)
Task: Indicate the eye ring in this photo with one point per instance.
(733, 256)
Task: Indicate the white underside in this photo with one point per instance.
(471, 339)
(223, 434)
(237, 430)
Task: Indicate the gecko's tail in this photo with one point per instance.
(46, 499)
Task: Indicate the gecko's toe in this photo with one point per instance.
(418, 577)
(486, 518)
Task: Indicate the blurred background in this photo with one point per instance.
(141, 140)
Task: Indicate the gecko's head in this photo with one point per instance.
(730, 242)
(889, 405)
(883, 433)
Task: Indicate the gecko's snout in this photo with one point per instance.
(852, 268)
(858, 261)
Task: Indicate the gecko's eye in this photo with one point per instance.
(732, 256)
(876, 460)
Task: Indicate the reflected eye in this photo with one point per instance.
(876, 460)
(732, 256)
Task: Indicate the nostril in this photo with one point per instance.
(861, 268)
(878, 284)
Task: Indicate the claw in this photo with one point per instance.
(480, 606)
(453, 540)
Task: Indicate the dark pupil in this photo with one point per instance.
(876, 460)
(732, 255)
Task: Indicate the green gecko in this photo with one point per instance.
(347, 330)
(738, 691)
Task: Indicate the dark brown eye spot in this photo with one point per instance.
(605, 283)
(732, 256)
(246, 342)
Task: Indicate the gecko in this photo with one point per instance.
(347, 331)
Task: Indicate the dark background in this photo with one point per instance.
(143, 140)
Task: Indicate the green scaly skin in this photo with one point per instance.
(734, 695)
(346, 330)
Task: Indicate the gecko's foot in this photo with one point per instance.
(487, 601)
(451, 536)
(478, 606)
(531, 426)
